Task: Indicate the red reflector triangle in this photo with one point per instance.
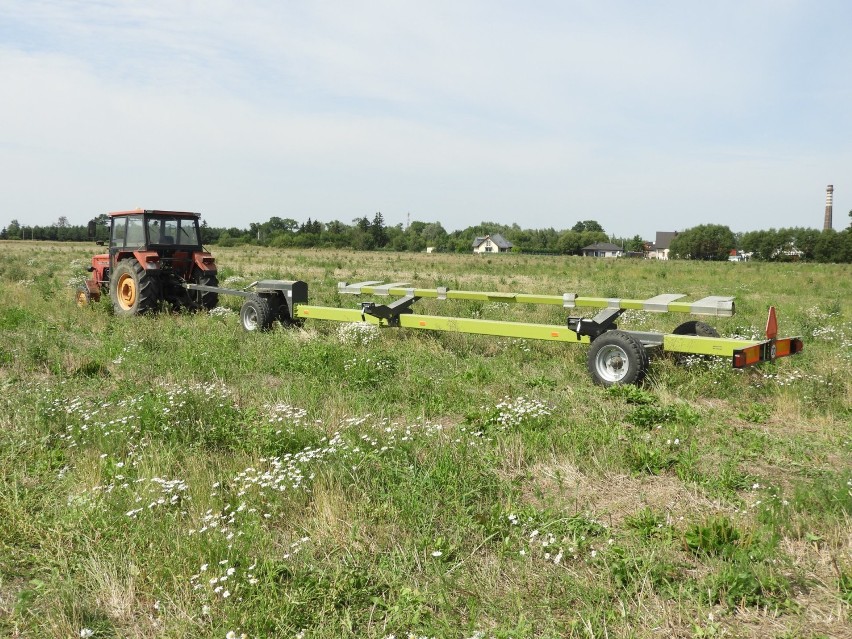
(771, 324)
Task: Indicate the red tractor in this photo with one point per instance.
(152, 256)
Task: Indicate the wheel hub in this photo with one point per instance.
(611, 363)
(250, 319)
(126, 292)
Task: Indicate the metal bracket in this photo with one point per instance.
(713, 305)
(384, 289)
(595, 326)
(660, 303)
(355, 289)
(389, 312)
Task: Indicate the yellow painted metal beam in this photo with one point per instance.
(718, 306)
(306, 311)
(492, 327)
(696, 345)
(450, 324)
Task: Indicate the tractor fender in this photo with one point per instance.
(205, 262)
(150, 260)
(99, 267)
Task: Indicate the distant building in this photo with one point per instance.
(492, 244)
(660, 248)
(602, 249)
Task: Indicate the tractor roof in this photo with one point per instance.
(155, 212)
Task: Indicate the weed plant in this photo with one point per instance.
(174, 476)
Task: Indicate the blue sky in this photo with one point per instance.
(643, 116)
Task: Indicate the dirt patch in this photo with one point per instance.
(613, 497)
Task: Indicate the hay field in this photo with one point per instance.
(174, 476)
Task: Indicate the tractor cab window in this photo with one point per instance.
(127, 232)
(135, 232)
(172, 231)
(189, 233)
(119, 231)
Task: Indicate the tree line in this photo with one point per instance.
(364, 233)
(716, 242)
(703, 242)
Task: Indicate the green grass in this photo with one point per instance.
(174, 476)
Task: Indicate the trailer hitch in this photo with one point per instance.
(389, 312)
(597, 325)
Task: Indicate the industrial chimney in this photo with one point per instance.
(829, 196)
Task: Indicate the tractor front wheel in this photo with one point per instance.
(257, 314)
(616, 357)
(82, 296)
(133, 291)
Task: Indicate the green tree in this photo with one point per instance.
(208, 234)
(829, 246)
(336, 234)
(378, 231)
(361, 238)
(635, 244)
(14, 230)
(704, 242)
(588, 226)
(434, 234)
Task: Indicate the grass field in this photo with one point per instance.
(174, 476)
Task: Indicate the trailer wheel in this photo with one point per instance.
(693, 327)
(696, 328)
(133, 291)
(281, 311)
(616, 357)
(206, 299)
(257, 314)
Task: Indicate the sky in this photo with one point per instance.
(644, 116)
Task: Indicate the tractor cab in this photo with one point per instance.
(164, 240)
(154, 230)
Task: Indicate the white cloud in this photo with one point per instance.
(643, 117)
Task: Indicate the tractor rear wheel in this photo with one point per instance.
(133, 291)
(206, 299)
(257, 314)
(616, 357)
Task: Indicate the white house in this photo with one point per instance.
(660, 250)
(602, 249)
(492, 244)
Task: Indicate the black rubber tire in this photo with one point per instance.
(206, 299)
(616, 357)
(257, 314)
(132, 290)
(693, 327)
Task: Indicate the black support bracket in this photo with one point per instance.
(389, 312)
(597, 325)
